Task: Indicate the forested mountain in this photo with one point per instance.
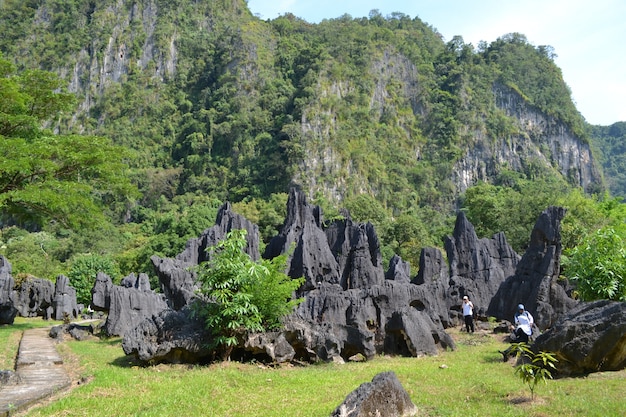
(376, 114)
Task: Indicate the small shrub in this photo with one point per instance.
(536, 366)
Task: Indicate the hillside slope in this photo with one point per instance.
(213, 100)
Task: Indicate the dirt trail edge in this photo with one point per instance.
(40, 372)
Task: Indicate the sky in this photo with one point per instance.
(588, 36)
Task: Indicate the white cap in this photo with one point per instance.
(465, 297)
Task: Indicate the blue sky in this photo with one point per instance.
(588, 36)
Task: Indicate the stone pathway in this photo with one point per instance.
(40, 370)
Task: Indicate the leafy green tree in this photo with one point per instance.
(238, 295)
(37, 254)
(84, 271)
(598, 265)
(46, 177)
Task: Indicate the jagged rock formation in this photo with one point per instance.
(35, 297)
(358, 310)
(349, 307)
(177, 280)
(7, 309)
(589, 338)
(311, 257)
(383, 397)
(477, 266)
(128, 304)
(536, 282)
(64, 302)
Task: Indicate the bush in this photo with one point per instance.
(238, 295)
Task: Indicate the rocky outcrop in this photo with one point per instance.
(64, 302)
(589, 338)
(383, 397)
(357, 251)
(175, 276)
(303, 238)
(540, 139)
(169, 336)
(477, 266)
(127, 305)
(101, 292)
(34, 298)
(7, 294)
(536, 282)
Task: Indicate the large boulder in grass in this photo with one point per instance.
(536, 282)
(589, 338)
(169, 336)
(130, 305)
(7, 309)
(383, 397)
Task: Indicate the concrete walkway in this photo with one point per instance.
(40, 371)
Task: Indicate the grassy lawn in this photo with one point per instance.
(473, 382)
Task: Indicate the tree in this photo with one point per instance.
(84, 271)
(70, 179)
(598, 265)
(238, 295)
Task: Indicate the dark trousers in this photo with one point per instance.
(469, 323)
(520, 336)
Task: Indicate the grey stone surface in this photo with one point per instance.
(383, 397)
(589, 338)
(477, 266)
(173, 336)
(129, 307)
(7, 294)
(64, 302)
(39, 370)
(536, 283)
(34, 298)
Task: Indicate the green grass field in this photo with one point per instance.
(473, 382)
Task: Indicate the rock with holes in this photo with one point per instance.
(34, 298)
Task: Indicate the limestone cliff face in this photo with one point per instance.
(541, 141)
(331, 113)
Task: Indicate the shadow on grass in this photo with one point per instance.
(127, 362)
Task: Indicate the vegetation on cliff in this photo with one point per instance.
(201, 102)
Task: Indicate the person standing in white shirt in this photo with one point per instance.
(468, 314)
